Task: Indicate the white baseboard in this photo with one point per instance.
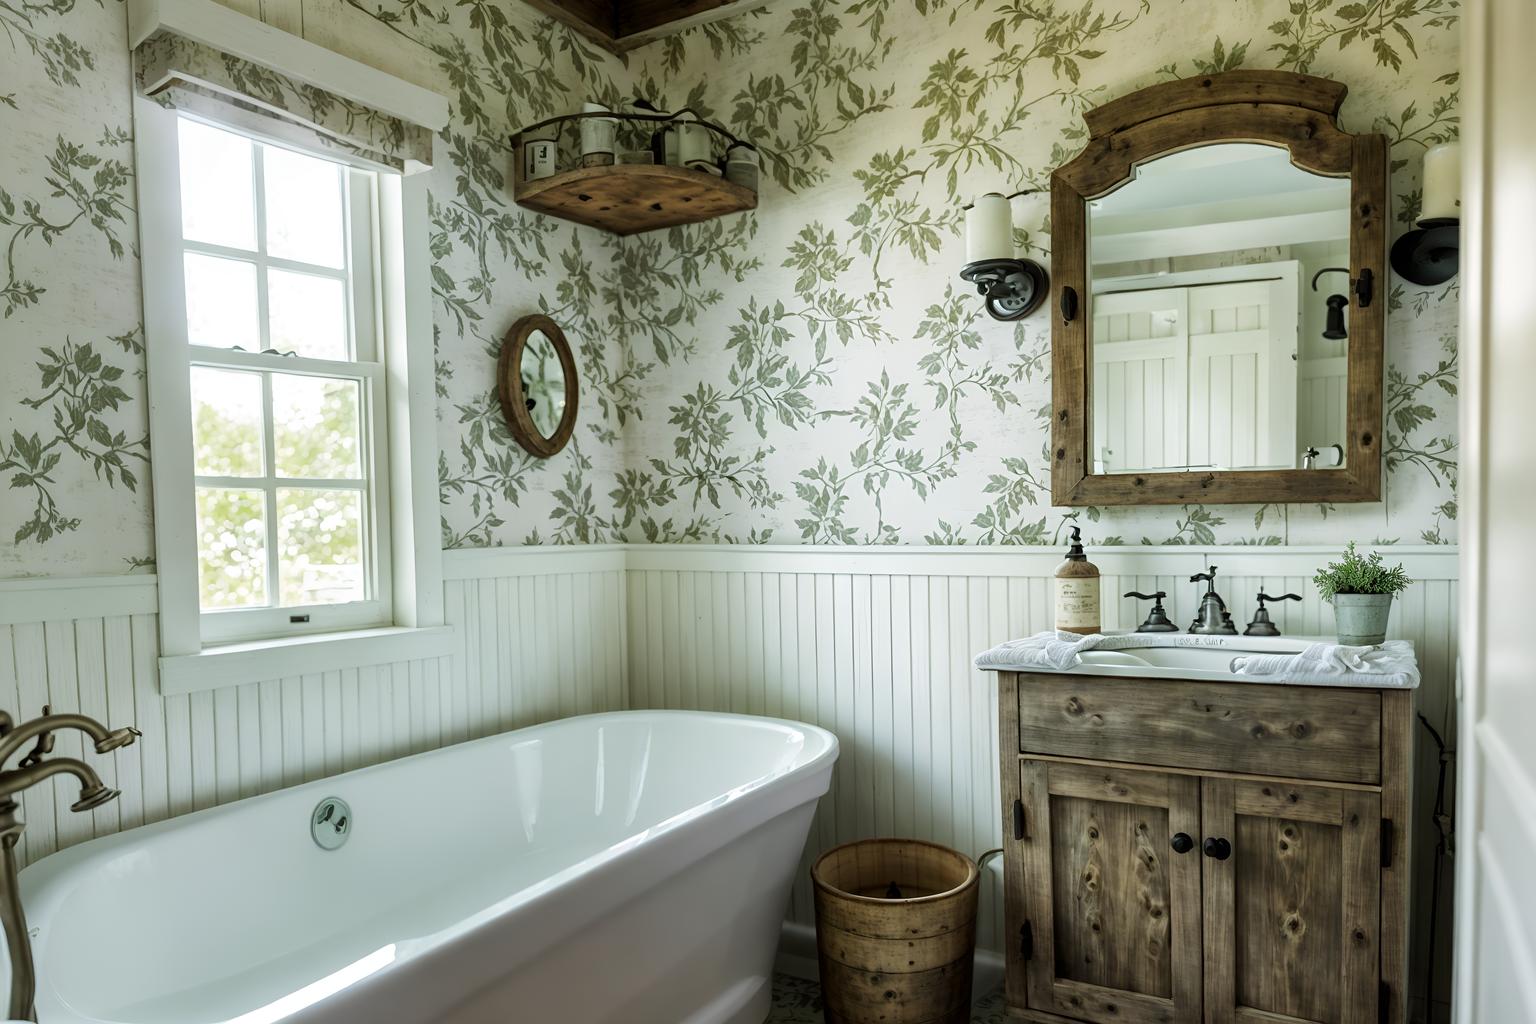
(797, 952)
(797, 958)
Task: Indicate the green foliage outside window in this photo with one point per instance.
(320, 536)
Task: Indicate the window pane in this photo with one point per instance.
(304, 215)
(221, 303)
(315, 430)
(218, 198)
(321, 540)
(232, 547)
(308, 315)
(226, 422)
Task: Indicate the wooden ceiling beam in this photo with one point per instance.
(622, 25)
(592, 18)
(647, 18)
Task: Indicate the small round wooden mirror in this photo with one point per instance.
(536, 381)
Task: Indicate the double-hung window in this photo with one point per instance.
(287, 387)
(287, 317)
(286, 258)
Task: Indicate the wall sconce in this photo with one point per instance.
(1012, 288)
(1431, 254)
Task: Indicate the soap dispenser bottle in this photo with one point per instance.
(1077, 590)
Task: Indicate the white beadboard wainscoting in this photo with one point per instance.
(525, 654)
(872, 643)
(876, 645)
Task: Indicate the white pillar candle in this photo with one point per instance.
(1442, 182)
(695, 143)
(597, 135)
(989, 229)
(1019, 208)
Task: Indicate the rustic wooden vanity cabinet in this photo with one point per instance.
(1182, 851)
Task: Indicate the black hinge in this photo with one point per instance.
(1386, 842)
(1018, 819)
(1026, 941)
(1364, 288)
(1383, 1002)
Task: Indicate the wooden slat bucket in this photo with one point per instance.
(895, 932)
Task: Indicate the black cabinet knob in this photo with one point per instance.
(1181, 842)
(1220, 849)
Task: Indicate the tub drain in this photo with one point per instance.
(331, 823)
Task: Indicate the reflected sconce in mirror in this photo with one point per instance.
(1431, 254)
(1333, 329)
(1012, 288)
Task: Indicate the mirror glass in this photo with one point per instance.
(1220, 319)
(543, 383)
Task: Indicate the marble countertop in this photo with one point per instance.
(1188, 656)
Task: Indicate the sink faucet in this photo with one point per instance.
(37, 767)
(1214, 619)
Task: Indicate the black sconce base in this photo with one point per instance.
(1013, 289)
(1429, 255)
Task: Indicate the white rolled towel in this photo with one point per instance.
(1058, 650)
(1388, 664)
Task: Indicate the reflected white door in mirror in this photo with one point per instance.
(1210, 369)
(1210, 351)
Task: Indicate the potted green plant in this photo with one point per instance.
(1361, 589)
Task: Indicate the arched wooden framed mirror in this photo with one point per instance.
(1219, 256)
(536, 382)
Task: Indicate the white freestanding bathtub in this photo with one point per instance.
(625, 867)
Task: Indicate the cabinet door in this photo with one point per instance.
(1292, 903)
(1112, 909)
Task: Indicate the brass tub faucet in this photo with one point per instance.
(36, 767)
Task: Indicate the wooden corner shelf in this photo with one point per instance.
(627, 199)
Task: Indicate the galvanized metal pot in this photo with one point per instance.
(1362, 618)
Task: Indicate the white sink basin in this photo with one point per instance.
(1195, 657)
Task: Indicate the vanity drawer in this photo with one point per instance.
(1291, 731)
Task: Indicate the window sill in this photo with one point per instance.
(259, 660)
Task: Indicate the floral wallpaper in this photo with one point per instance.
(73, 448)
(851, 390)
(73, 442)
(811, 373)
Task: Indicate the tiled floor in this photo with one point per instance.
(799, 1002)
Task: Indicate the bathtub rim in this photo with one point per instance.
(45, 882)
(33, 875)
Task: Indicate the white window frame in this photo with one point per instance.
(359, 273)
(407, 620)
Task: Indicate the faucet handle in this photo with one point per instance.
(1157, 618)
(44, 744)
(1261, 624)
(1205, 577)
